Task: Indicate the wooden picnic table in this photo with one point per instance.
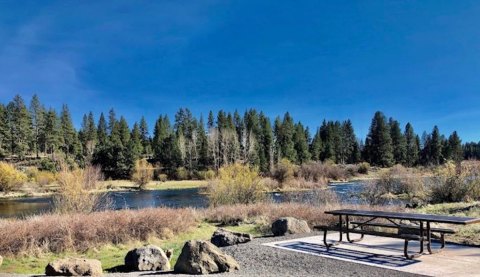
(421, 232)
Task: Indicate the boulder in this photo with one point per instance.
(148, 258)
(74, 267)
(202, 257)
(222, 237)
(289, 225)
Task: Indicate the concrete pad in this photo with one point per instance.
(454, 260)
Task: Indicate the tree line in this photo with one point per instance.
(195, 145)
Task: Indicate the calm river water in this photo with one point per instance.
(346, 192)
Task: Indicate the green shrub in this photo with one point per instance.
(363, 168)
(181, 174)
(236, 184)
(10, 178)
(205, 174)
(48, 165)
(143, 173)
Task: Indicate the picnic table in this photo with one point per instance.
(418, 228)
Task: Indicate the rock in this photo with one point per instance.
(148, 258)
(289, 225)
(222, 237)
(74, 267)
(1, 260)
(202, 257)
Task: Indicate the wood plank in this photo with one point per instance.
(408, 216)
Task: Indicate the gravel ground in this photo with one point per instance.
(256, 259)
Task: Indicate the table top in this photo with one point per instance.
(408, 216)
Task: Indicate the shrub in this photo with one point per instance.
(143, 173)
(80, 232)
(284, 172)
(454, 183)
(162, 177)
(181, 174)
(74, 194)
(235, 184)
(205, 174)
(10, 178)
(43, 178)
(397, 180)
(363, 168)
(48, 165)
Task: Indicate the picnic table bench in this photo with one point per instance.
(421, 232)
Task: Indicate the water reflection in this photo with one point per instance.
(345, 192)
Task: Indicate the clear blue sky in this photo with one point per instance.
(417, 61)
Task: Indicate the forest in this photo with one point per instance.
(189, 145)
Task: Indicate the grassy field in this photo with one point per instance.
(469, 235)
(112, 256)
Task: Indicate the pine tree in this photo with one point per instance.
(20, 126)
(52, 133)
(398, 142)
(316, 146)
(435, 147)
(379, 142)
(267, 144)
(102, 130)
(350, 143)
(301, 144)
(287, 144)
(69, 140)
(203, 161)
(411, 146)
(135, 143)
(123, 131)
(211, 120)
(37, 114)
(455, 147)
(144, 136)
(4, 132)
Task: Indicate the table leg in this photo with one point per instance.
(421, 236)
(347, 223)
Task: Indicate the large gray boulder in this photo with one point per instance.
(74, 267)
(148, 258)
(289, 225)
(222, 237)
(202, 257)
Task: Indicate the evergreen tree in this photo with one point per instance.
(267, 144)
(379, 142)
(135, 143)
(69, 140)
(411, 146)
(20, 127)
(37, 114)
(211, 120)
(301, 144)
(455, 146)
(316, 146)
(350, 143)
(52, 133)
(144, 136)
(123, 131)
(4, 132)
(435, 147)
(287, 145)
(203, 161)
(399, 142)
(327, 134)
(102, 130)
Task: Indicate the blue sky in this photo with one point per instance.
(418, 61)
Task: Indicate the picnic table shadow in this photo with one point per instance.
(349, 254)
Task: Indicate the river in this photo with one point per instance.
(178, 198)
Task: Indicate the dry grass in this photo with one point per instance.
(80, 232)
(266, 213)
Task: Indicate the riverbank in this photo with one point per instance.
(32, 190)
(108, 236)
